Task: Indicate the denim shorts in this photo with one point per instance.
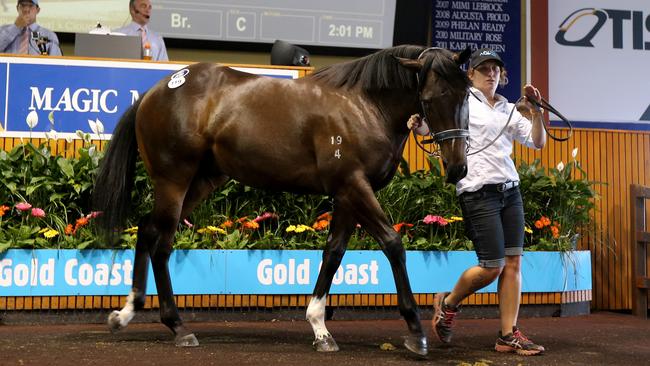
(494, 222)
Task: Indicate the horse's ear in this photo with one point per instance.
(462, 57)
(410, 64)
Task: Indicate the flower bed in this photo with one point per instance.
(45, 203)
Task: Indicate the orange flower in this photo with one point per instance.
(545, 221)
(325, 216)
(252, 225)
(539, 224)
(320, 225)
(82, 221)
(69, 230)
(398, 227)
(4, 209)
(227, 224)
(556, 232)
(555, 223)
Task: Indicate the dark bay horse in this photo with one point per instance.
(339, 131)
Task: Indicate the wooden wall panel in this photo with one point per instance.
(616, 159)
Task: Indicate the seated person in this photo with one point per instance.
(140, 14)
(26, 37)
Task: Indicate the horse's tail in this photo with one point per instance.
(114, 182)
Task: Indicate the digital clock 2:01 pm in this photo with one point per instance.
(350, 31)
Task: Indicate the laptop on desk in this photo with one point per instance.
(107, 46)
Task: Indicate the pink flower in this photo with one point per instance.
(93, 214)
(23, 206)
(435, 219)
(37, 212)
(265, 216)
(188, 223)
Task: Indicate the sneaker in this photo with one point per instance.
(518, 343)
(443, 317)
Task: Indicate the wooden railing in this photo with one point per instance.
(640, 240)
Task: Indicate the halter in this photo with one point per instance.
(456, 133)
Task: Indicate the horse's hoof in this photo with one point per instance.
(327, 344)
(417, 345)
(114, 323)
(188, 340)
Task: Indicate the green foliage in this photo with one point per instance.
(558, 204)
(423, 207)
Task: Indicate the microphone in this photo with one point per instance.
(138, 12)
(37, 37)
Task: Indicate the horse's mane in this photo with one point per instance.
(379, 70)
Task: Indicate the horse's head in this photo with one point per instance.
(443, 89)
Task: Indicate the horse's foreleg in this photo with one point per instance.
(341, 228)
(373, 219)
(135, 301)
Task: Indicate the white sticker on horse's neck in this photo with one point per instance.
(178, 79)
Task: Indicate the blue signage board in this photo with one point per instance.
(457, 24)
(52, 272)
(68, 94)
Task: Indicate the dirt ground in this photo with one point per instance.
(597, 339)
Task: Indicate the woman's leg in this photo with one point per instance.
(509, 289)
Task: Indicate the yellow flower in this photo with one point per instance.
(528, 230)
(455, 218)
(291, 228)
(131, 230)
(50, 233)
(300, 228)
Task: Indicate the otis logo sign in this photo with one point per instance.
(622, 22)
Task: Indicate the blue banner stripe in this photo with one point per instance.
(50, 272)
(624, 126)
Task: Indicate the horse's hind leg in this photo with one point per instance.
(135, 301)
(368, 212)
(341, 228)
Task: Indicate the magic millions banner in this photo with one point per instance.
(67, 94)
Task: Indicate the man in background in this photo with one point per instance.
(140, 14)
(25, 36)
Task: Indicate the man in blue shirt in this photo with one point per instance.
(140, 14)
(26, 37)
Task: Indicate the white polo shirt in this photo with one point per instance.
(492, 165)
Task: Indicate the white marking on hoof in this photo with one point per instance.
(316, 317)
(188, 340)
(118, 320)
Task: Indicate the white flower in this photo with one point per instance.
(100, 126)
(50, 117)
(574, 153)
(80, 133)
(560, 166)
(93, 126)
(52, 135)
(32, 119)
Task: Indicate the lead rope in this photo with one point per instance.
(542, 104)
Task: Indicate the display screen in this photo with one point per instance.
(335, 23)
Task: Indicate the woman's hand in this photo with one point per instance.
(415, 121)
(527, 108)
